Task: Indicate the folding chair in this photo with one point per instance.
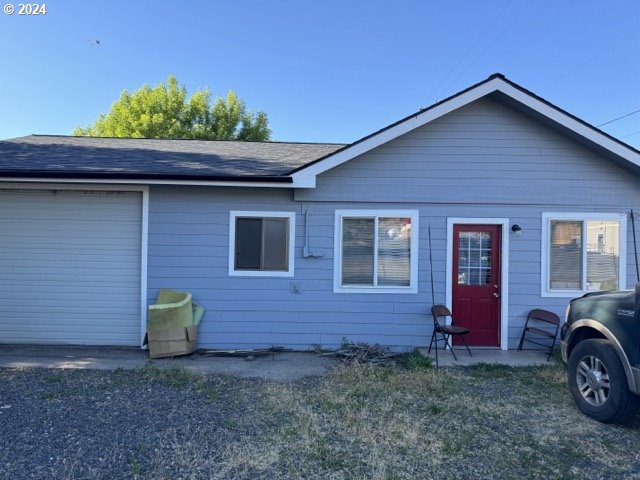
(446, 331)
(546, 325)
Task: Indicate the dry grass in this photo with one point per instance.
(360, 422)
(367, 422)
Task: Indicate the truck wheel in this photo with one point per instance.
(598, 382)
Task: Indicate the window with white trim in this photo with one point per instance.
(261, 243)
(582, 253)
(376, 251)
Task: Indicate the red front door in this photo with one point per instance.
(476, 282)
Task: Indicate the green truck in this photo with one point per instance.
(601, 347)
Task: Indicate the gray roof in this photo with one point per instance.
(88, 157)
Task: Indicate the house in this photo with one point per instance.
(520, 205)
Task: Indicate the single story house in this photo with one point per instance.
(520, 205)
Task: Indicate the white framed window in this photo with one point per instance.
(583, 252)
(261, 243)
(376, 251)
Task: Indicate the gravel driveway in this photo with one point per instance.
(94, 424)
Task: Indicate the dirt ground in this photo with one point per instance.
(358, 422)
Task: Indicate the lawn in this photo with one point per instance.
(360, 422)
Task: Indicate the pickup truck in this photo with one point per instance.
(601, 347)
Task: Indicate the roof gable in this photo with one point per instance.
(496, 86)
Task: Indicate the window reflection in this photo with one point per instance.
(474, 258)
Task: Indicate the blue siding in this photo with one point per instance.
(481, 161)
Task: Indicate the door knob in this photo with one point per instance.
(495, 294)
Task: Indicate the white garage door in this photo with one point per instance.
(70, 267)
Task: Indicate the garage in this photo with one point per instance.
(70, 266)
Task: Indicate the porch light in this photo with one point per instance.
(516, 229)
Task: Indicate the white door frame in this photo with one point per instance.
(504, 268)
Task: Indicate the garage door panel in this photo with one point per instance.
(63, 270)
(61, 278)
(71, 338)
(19, 331)
(53, 293)
(70, 267)
(81, 238)
(46, 253)
(85, 310)
(54, 290)
(87, 323)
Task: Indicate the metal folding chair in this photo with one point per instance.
(446, 331)
(545, 326)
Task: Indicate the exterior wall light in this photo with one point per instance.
(517, 229)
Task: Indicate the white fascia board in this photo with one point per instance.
(305, 178)
(571, 123)
(101, 181)
(116, 187)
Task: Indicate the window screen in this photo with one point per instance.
(376, 251)
(262, 244)
(248, 243)
(575, 245)
(565, 255)
(603, 255)
(357, 251)
(394, 249)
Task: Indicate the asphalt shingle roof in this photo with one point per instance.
(147, 158)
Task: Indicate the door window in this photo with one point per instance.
(474, 258)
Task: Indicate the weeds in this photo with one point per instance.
(319, 349)
(485, 421)
(136, 467)
(203, 386)
(175, 377)
(367, 422)
(490, 370)
(415, 360)
(49, 396)
(57, 377)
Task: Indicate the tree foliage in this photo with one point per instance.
(164, 111)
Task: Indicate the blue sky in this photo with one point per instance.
(329, 71)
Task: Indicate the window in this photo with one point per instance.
(261, 243)
(582, 253)
(474, 258)
(376, 251)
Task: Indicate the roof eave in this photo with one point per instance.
(143, 178)
(305, 177)
(580, 130)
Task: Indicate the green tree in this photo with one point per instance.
(165, 112)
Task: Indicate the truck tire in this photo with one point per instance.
(598, 382)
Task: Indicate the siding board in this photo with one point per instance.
(483, 160)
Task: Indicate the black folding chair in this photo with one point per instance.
(544, 326)
(446, 331)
